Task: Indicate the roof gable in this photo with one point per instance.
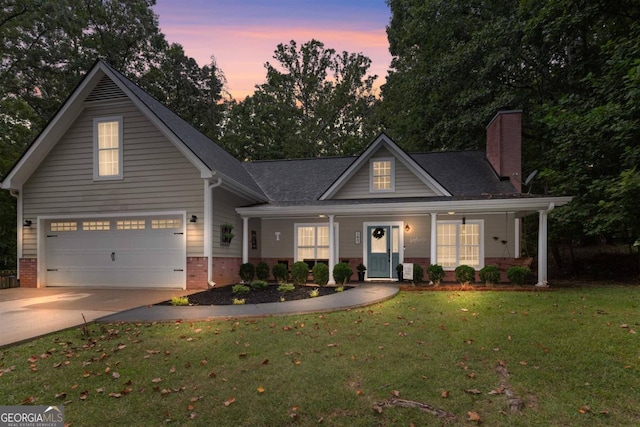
(361, 165)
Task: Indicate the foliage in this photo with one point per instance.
(241, 289)
(262, 271)
(436, 273)
(314, 293)
(320, 273)
(465, 274)
(518, 274)
(287, 287)
(342, 273)
(361, 267)
(315, 102)
(339, 288)
(239, 301)
(490, 274)
(280, 272)
(299, 272)
(259, 284)
(179, 301)
(247, 272)
(418, 274)
(399, 268)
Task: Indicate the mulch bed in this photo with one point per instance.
(225, 296)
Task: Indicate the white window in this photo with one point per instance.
(96, 225)
(107, 148)
(64, 226)
(165, 223)
(382, 175)
(312, 242)
(460, 244)
(131, 224)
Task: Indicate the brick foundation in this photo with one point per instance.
(226, 271)
(196, 272)
(28, 273)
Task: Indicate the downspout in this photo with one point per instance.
(208, 223)
(19, 231)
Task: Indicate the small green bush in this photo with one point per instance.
(299, 272)
(259, 284)
(247, 272)
(262, 271)
(239, 301)
(280, 272)
(518, 274)
(314, 293)
(436, 273)
(465, 274)
(418, 274)
(340, 289)
(342, 273)
(490, 274)
(321, 274)
(240, 289)
(178, 301)
(287, 287)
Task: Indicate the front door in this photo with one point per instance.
(383, 251)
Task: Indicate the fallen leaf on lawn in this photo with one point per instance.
(585, 409)
(498, 390)
(61, 395)
(332, 345)
(265, 361)
(213, 375)
(83, 395)
(172, 370)
(190, 407)
(358, 392)
(464, 309)
(260, 389)
(631, 331)
(116, 395)
(229, 401)
(624, 326)
(193, 415)
(100, 390)
(197, 331)
(115, 375)
(471, 375)
(203, 362)
(28, 400)
(86, 374)
(473, 391)
(156, 380)
(242, 355)
(523, 362)
(444, 394)
(57, 365)
(396, 393)
(296, 362)
(473, 416)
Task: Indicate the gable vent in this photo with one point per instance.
(106, 89)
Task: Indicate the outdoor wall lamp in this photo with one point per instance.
(27, 223)
(464, 220)
(407, 228)
(193, 218)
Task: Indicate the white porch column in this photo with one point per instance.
(332, 250)
(245, 240)
(542, 247)
(434, 238)
(516, 239)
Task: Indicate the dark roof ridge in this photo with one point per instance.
(301, 159)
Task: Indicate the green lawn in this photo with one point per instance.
(572, 356)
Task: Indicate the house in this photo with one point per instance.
(118, 191)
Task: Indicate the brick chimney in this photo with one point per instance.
(504, 146)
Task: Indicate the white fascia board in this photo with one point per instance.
(409, 208)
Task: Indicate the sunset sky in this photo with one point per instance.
(243, 34)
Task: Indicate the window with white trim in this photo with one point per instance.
(382, 175)
(107, 148)
(96, 225)
(64, 226)
(158, 224)
(459, 244)
(312, 242)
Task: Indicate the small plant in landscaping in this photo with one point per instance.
(262, 271)
(314, 293)
(259, 284)
(518, 274)
(282, 299)
(247, 272)
(342, 273)
(299, 272)
(418, 274)
(177, 301)
(340, 289)
(361, 267)
(465, 274)
(320, 274)
(436, 273)
(280, 272)
(490, 275)
(241, 289)
(287, 287)
(238, 301)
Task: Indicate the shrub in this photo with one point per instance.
(490, 274)
(436, 273)
(314, 293)
(518, 274)
(287, 287)
(342, 273)
(239, 301)
(247, 272)
(340, 289)
(240, 289)
(465, 274)
(259, 284)
(262, 271)
(280, 273)
(176, 301)
(299, 272)
(418, 274)
(321, 273)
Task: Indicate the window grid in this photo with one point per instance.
(381, 175)
(165, 223)
(96, 225)
(458, 244)
(313, 242)
(64, 226)
(108, 149)
(131, 224)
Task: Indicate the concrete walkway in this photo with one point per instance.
(359, 296)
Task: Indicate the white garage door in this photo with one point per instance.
(116, 252)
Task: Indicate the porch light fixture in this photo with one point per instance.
(451, 213)
(193, 218)
(407, 228)
(464, 220)
(27, 223)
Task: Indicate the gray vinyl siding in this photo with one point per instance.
(224, 204)
(407, 184)
(156, 176)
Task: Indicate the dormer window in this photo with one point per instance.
(107, 148)
(382, 175)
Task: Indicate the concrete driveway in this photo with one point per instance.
(27, 313)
